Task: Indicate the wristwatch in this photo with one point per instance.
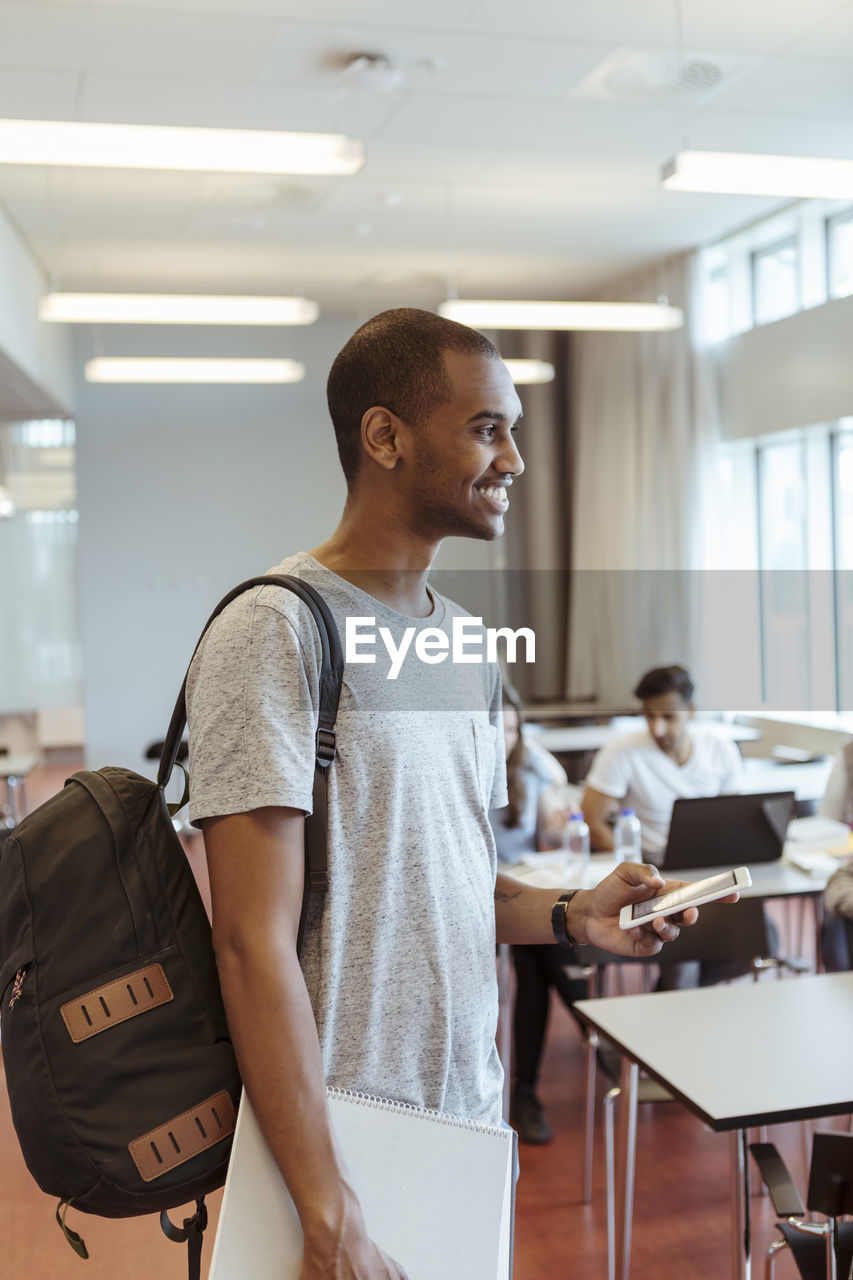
(559, 911)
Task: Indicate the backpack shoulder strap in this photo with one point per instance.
(331, 678)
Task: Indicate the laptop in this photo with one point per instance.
(717, 831)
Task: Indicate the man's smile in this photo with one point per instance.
(495, 495)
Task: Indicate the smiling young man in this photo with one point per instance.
(396, 992)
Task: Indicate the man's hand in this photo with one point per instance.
(367, 1263)
(346, 1253)
(594, 913)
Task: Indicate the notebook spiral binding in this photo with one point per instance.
(409, 1108)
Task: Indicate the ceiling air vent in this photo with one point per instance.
(659, 76)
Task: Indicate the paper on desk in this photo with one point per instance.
(556, 871)
(818, 830)
(817, 845)
(816, 862)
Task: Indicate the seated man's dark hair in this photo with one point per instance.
(665, 680)
(394, 360)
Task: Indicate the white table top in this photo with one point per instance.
(769, 879)
(742, 1055)
(589, 737)
(17, 766)
(807, 781)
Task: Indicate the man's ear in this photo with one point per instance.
(381, 432)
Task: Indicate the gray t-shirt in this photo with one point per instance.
(399, 958)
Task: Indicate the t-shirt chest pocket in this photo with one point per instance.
(485, 738)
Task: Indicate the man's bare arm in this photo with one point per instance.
(599, 810)
(256, 876)
(523, 912)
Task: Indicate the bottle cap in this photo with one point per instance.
(575, 814)
(627, 813)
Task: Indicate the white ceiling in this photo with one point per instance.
(485, 167)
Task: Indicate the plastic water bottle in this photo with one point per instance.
(576, 840)
(627, 838)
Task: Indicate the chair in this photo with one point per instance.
(821, 1250)
(722, 934)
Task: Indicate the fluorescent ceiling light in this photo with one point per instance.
(482, 314)
(530, 372)
(133, 146)
(164, 308)
(736, 173)
(143, 369)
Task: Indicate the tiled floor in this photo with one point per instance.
(682, 1203)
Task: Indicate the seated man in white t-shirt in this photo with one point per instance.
(650, 769)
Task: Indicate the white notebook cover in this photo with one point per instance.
(437, 1194)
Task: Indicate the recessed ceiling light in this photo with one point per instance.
(627, 316)
(164, 308)
(530, 372)
(133, 146)
(146, 369)
(737, 173)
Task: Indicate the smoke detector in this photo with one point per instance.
(372, 73)
(659, 76)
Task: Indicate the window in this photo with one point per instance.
(39, 643)
(717, 305)
(775, 281)
(839, 254)
(783, 504)
(843, 475)
(783, 550)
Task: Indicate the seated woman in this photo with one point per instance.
(534, 819)
(837, 803)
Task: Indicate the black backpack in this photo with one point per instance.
(119, 1065)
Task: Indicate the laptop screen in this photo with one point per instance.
(716, 831)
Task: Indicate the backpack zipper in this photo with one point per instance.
(17, 987)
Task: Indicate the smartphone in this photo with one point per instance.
(689, 895)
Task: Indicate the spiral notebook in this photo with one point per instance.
(437, 1193)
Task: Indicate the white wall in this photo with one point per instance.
(34, 357)
(793, 373)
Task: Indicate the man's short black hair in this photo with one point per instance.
(665, 680)
(394, 360)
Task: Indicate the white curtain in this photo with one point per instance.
(644, 425)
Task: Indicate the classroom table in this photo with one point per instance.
(579, 738)
(13, 771)
(737, 1056)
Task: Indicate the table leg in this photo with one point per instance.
(11, 805)
(817, 903)
(627, 1142)
(504, 1021)
(741, 1242)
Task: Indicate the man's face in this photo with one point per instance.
(463, 456)
(667, 715)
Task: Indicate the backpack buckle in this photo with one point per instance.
(325, 746)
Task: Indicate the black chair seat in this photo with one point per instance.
(810, 1251)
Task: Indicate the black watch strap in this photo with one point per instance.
(558, 920)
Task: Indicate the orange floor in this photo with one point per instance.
(682, 1210)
